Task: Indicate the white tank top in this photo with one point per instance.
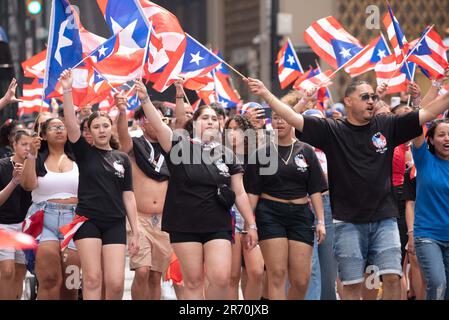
(55, 185)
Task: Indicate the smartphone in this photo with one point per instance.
(267, 113)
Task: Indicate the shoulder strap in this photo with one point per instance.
(212, 174)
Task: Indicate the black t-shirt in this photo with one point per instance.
(5, 152)
(15, 208)
(103, 177)
(360, 162)
(409, 188)
(301, 176)
(149, 158)
(191, 204)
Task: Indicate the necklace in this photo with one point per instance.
(290, 155)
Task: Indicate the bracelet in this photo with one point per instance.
(147, 99)
(320, 222)
(437, 83)
(67, 90)
(410, 232)
(179, 97)
(252, 226)
(31, 157)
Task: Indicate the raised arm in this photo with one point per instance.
(10, 95)
(163, 131)
(28, 178)
(180, 110)
(433, 109)
(6, 192)
(71, 122)
(126, 142)
(288, 114)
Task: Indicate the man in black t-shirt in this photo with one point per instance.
(359, 150)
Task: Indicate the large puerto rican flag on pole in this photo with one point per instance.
(191, 60)
(289, 67)
(366, 61)
(64, 45)
(331, 42)
(430, 54)
(395, 35)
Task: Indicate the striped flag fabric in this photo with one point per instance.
(395, 35)
(430, 54)
(34, 224)
(289, 67)
(34, 67)
(69, 230)
(17, 240)
(387, 68)
(319, 80)
(375, 51)
(331, 42)
(32, 99)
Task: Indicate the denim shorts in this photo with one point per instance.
(375, 245)
(56, 215)
(10, 253)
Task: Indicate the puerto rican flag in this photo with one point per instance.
(34, 67)
(375, 51)
(64, 45)
(68, 231)
(312, 79)
(32, 99)
(331, 42)
(191, 60)
(289, 67)
(395, 35)
(34, 224)
(388, 68)
(224, 92)
(17, 240)
(430, 54)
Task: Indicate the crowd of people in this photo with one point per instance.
(295, 204)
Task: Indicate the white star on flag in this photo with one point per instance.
(345, 53)
(196, 58)
(381, 54)
(291, 60)
(62, 42)
(102, 51)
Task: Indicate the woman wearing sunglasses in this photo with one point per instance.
(51, 173)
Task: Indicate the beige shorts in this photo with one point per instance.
(155, 249)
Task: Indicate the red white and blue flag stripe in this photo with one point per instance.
(289, 66)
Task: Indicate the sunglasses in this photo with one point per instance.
(56, 128)
(367, 96)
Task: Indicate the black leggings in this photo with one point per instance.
(110, 232)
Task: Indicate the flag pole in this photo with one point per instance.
(344, 64)
(413, 79)
(330, 94)
(217, 57)
(410, 53)
(145, 57)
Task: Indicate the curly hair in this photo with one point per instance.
(243, 124)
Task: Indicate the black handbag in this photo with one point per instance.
(225, 195)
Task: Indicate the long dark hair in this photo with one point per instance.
(431, 133)
(198, 112)
(114, 143)
(243, 124)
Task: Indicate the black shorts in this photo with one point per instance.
(280, 220)
(179, 237)
(109, 232)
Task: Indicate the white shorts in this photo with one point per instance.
(10, 253)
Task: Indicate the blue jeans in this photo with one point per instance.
(327, 262)
(375, 244)
(433, 258)
(314, 289)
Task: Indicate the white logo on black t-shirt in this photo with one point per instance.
(301, 163)
(380, 142)
(119, 169)
(224, 169)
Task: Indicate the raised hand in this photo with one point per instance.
(18, 169)
(121, 102)
(142, 92)
(414, 90)
(66, 79)
(256, 86)
(10, 95)
(382, 90)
